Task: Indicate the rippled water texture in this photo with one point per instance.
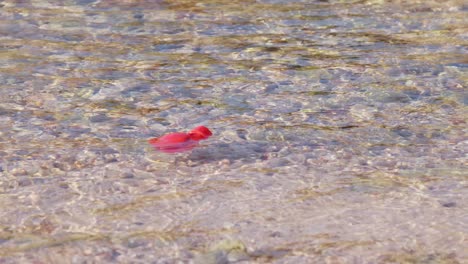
(339, 131)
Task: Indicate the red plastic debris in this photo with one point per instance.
(179, 142)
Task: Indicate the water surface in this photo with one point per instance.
(339, 131)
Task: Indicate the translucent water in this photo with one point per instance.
(339, 131)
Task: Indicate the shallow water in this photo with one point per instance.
(339, 131)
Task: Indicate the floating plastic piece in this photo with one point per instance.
(179, 141)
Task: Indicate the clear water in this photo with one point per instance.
(339, 131)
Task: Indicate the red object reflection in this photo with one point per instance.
(179, 142)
